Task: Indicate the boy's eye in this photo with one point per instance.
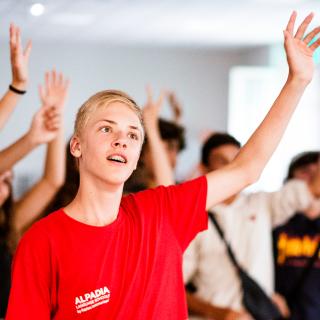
(133, 136)
(105, 129)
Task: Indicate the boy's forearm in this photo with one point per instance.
(257, 151)
(7, 105)
(16, 151)
(202, 308)
(55, 165)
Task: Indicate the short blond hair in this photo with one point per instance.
(103, 99)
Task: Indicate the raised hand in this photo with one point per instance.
(47, 121)
(6, 176)
(299, 52)
(160, 162)
(281, 303)
(152, 109)
(55, 90)
(19, 59)
(175, 106)
(45, 125)
(5, 183)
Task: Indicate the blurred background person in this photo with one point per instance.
(297, 269)
(246, 220)
(17, 215)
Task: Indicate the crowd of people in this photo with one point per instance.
(108, 233)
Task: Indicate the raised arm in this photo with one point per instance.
(163, 173)
(49, 123)
(16, 151)
(19, 66)
(248, 165)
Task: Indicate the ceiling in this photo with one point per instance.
(188, 23)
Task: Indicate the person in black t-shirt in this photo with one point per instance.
(295, 244)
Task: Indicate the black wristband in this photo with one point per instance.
(15, 90)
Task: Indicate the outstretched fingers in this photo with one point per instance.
(290, 25)
(159, 102)
(27, 50)
(310, 36)
(303, 26)
(315, 45)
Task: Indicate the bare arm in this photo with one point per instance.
(15, 152)
(19, 66)
(162, 169)
(31, 205)
(248, 165)
(199, 307)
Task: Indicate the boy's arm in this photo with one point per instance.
(31, 205)
(199, 307)
(19, 66)
(252, 158)
(296, 196)
(162, 170)
(16, 151)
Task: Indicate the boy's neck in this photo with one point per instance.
(95, 204)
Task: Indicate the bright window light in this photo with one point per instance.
(252, 92)
(37, 9)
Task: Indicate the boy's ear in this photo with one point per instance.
(75, 147)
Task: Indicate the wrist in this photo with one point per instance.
(20, 85)
(32, 139)
(297, 81)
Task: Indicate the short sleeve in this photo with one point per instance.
(294, 196)
(182, 205)
(31, 274)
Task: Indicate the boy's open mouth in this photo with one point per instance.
(117, 158)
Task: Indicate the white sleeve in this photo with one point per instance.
(190, 259)
(294, 196)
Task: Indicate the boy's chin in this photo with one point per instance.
(118, 179)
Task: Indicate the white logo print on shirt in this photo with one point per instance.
(92, 299)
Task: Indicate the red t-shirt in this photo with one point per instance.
(129, 269)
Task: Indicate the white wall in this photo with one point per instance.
(199, 77)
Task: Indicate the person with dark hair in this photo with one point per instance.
(303, 166)
(296, 248)
(247, 220)
(215, 141)
(109, 256)
(18, 215)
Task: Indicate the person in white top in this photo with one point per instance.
(247, 220)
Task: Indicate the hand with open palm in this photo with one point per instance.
(298, 49)
(55, 90)
(151, 110)
(48, 120)
(19, 59)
